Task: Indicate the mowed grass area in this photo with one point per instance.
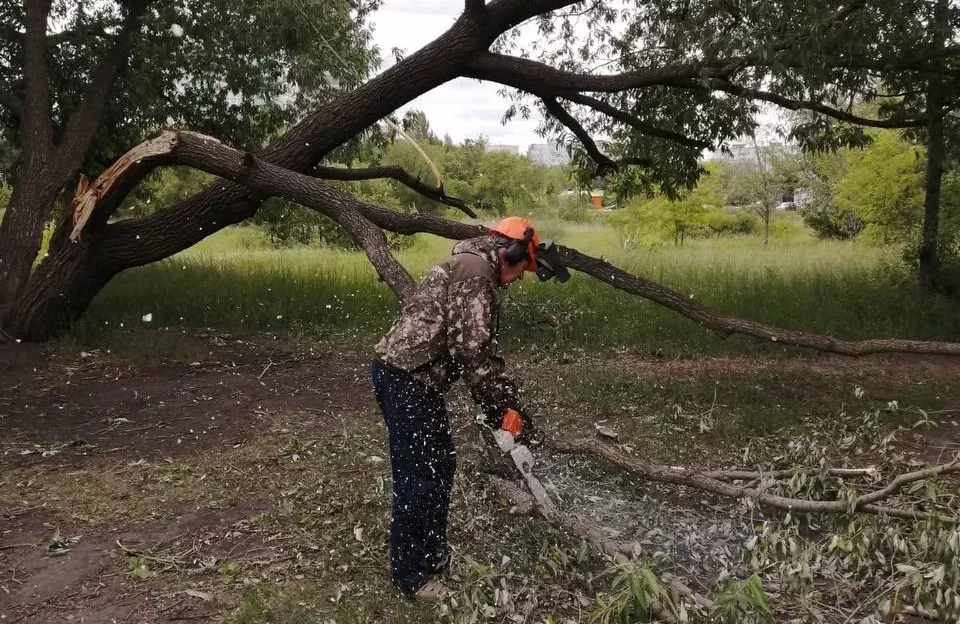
(234, 282)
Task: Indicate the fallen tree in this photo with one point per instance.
(673, 105)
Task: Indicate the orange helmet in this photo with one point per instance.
(521, 230)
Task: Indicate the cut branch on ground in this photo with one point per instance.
(666, 474)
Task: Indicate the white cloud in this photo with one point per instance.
(462, 108)
(426, 7)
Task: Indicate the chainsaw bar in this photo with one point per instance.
(523, 461)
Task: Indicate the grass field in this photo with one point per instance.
(235, 282)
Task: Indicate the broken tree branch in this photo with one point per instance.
(210, 155)
(665, 474)
(727, 325)
(400, 175)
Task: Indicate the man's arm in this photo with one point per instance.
(470, 341)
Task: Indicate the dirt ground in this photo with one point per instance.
(61, 415)
(69, 420)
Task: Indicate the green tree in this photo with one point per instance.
(883, 185)
(506, 183)
(674, 218)
(760, 184)
(81, 82)
(819, 174)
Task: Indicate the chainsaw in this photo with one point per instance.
(506, 440)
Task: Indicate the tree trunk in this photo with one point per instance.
(60, 289)
(929, 263)
(766, 227)
(22, 231)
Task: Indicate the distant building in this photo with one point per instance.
(746, 151)
(547, 154)
(596, 198)
(510, 149)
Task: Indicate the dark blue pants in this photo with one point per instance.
(423, 459)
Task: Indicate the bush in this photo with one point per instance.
(574, 210)
(827, 221)
(729, 223)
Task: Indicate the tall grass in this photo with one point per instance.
(232, 282)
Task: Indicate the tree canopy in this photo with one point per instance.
(238, 70)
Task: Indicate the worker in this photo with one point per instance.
(447, 330)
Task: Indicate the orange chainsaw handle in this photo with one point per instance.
(512, 422)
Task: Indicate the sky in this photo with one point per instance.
(462, 108)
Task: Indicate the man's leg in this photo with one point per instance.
(420, 453)
(445, 454)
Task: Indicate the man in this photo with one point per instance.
(447, 330)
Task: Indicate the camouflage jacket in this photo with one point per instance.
(447, 328)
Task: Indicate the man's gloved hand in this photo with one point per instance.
(493, 418)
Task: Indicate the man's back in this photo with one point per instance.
(456, 302)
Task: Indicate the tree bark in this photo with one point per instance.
(22, 230)
(66, 285)
(60, 289)
(32, 201)
(929, 263)
(45, 168)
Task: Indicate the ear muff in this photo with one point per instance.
(519, 250)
